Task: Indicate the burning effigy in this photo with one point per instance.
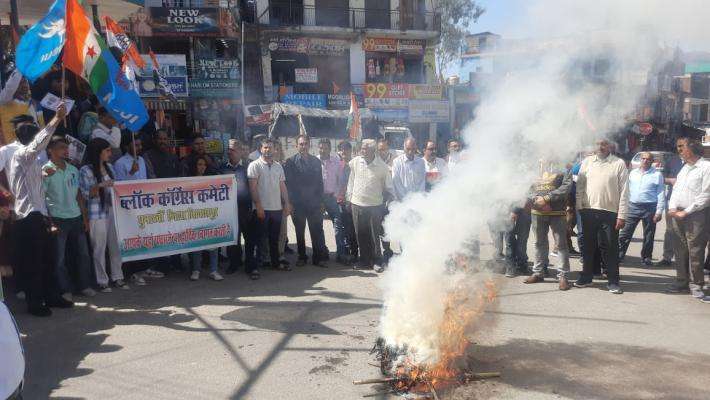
(411, 372)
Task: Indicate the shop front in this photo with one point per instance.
(306, 65)
(389, 60)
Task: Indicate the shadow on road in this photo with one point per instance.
(56, 346)
(596, 370)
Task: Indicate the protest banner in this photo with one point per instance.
(161, 217)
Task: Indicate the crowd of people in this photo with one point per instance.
(59, 233)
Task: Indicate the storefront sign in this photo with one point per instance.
(426, 92)
(326, 47)
(161, 217)
(172, 66)
(391, 114)
(387, 90)
(386, 102)
(171, 21)
(216, 78)
(306, 100)
(386, 45)
(306, 75)
(342, 101)
(310, 46)
(411, 46)
(428, 111)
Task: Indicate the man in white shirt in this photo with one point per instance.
(602, 201)
(690, 218)
(106, 129)
(31, 229)
(408, 171)
(267, 184)
(436, 167)
(454, 147)
(369, 185)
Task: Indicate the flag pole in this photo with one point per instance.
(64, 77)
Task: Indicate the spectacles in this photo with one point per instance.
(647, 159)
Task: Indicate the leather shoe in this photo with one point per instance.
(60, 303)
(534, 278)
(40, 311)
(564, 284)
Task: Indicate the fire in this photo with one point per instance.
(463, 308)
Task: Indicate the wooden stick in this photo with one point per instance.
(64, 72)
(372, 381)
(483, 375)
(379, 393)
(432, 390)
(373, 365)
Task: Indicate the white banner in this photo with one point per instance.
(161, 217)
(306, 75)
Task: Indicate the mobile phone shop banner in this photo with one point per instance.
(160, 217)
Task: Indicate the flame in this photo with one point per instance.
(463, 308)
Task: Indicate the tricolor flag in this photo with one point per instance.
(86, 55)
(116, 37)
(354, 128)
(160, 82)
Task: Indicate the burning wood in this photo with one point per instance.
(405, 376)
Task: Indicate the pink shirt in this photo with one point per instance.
(332, 169)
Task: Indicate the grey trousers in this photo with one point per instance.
(541, 225)
(691, 237)
(668, 240)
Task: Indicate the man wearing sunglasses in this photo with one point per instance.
(646, 203)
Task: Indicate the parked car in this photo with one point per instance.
(660, 159)
(12, 364)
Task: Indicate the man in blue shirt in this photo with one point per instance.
(131, 166)
(646, 203)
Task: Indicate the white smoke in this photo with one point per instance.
(585, 71)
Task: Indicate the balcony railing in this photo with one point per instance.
(286, 14)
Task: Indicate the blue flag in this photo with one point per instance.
(118, 95)
(41, 44)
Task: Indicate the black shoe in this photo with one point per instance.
(582, 284)
(232, 269)
(39, 311)
(60, 303)
(288, 250)
(344, 260)
(664, 263)
(301, 262)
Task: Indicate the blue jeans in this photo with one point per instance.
(333, 210)
(643, 212)
(197, 260)
(71, 233)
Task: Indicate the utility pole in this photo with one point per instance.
(14, 15)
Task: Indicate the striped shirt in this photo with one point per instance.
(93, 204)
(25, 174)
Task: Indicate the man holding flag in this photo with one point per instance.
(66, 26)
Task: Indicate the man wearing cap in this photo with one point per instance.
(236, 165)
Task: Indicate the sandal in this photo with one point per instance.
(255, 275)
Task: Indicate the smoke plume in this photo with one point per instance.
(583, 71)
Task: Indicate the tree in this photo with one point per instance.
(456, 16)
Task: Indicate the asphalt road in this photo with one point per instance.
(306, 334)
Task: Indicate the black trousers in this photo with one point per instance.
(33, 244)
(643, 212)
(368, 227)
(314, 217)
(269, 228)
(596, 223)
(350, 237)
(235, 252)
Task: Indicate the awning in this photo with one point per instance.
(292, 109)
(317, 122)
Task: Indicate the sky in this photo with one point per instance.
(501, 17)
